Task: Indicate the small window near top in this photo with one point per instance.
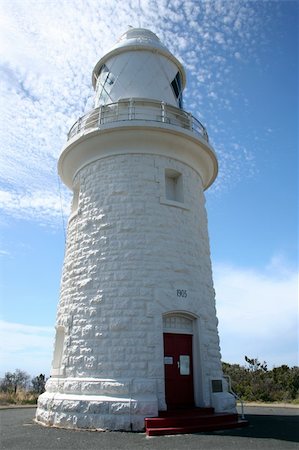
(173, 185)
(176, 85)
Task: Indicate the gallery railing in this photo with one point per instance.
(134, 110)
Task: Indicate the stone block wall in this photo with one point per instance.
(129, 249)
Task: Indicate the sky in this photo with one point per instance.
(241, 59)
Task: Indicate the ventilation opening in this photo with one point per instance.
(174, 185)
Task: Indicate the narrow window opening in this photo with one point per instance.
(58, 349)
(75, 202)
(174, 185)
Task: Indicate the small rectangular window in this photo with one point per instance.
(174, 185)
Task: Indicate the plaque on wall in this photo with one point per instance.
(217, 386)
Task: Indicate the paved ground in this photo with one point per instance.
(270, 428)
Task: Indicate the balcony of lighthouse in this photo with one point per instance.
(137, 112)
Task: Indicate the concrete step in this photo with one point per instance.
(191, 421)
(195, 428)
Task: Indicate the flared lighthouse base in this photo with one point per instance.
(97, 404)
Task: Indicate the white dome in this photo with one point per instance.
(139, 34)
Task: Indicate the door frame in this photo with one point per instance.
(173, 324)
(179, 389)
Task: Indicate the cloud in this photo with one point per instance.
(25, 347)
(46, 206)
(48, 51)
(258, 312)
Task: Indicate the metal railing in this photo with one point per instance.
(237, 397)
(134, 110)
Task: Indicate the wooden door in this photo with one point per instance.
(178, 366)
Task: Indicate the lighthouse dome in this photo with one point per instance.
(140, 36)
(139, 66)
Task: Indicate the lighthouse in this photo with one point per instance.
(136, 327)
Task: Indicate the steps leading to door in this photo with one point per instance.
(191, 421)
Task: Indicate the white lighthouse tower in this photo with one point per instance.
(136, 329)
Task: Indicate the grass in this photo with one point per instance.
(19, 398)
(293, 403)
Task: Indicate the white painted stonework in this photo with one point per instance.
(137, 238)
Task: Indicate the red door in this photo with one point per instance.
(178, 370)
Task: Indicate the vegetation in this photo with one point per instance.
(16, 388)
(255, 382)
(252, 382)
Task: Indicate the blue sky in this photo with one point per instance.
(241, 60)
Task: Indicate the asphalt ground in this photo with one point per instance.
(270, 428)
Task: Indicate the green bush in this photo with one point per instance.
(254, 382)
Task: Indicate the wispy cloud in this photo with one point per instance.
(48, 50)
(43, 206)
(25, 347)
(258, 310)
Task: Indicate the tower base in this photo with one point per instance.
(97, 404)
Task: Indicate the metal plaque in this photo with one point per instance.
(217, 386)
